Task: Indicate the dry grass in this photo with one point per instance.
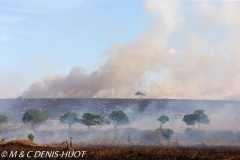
(131, 152)
(21, 142)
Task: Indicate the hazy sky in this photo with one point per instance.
(73, 48)
(50, 37)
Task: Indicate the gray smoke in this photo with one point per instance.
(199, 66)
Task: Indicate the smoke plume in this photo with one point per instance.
(191, 51)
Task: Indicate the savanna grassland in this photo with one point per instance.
(128, 152)
(185, 143)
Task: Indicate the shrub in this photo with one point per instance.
(31, 137)
(3, 118)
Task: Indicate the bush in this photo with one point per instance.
(31, 137)
(3, 118)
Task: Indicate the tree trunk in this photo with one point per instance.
(168, 141)
(69, 128)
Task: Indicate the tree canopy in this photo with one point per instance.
(34, 115)
(69, 118)
(191, 119)
(197, 117)
(3, 119)
(101, 121)
(119, 118)
(162, 119)
(89, 119)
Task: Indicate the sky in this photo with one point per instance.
(112, 49)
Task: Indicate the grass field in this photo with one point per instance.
(126, 152)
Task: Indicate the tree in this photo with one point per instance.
(191, 119)
(167, 133)
(139, 94)
(89, 119)
(119, 118)
(3, 119)
(101, 121)
(203, 117)
(162, 119)
(34, 116)
(69, 118)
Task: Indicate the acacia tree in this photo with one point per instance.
(35, 116)
(203, 117)
(167, 133)
(89, 119)
(139, 94)
(162, 119)
(191, 119)
(3, 119)
(101, 121)
(119, 118)
(69, 118)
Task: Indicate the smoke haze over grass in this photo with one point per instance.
(143, 115)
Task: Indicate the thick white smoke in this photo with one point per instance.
(203, 63)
